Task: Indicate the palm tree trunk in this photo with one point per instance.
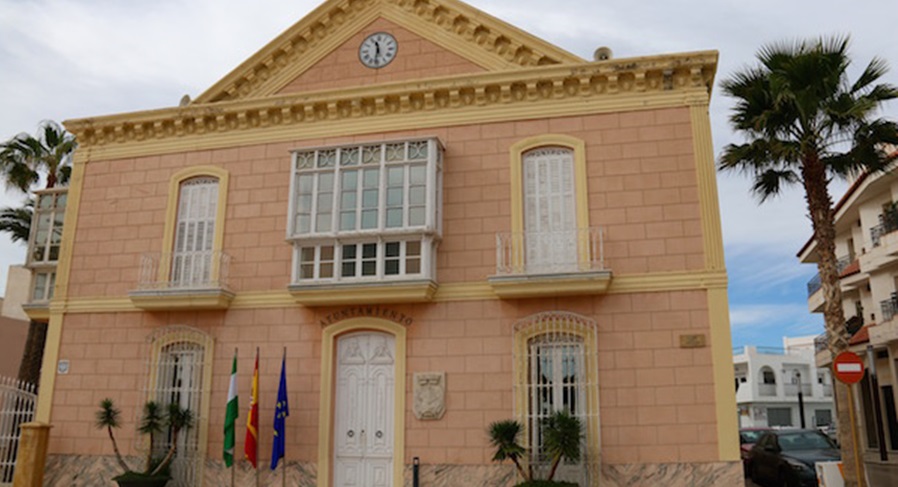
(822, 218)
(118, 454)
(555, 463)
(517, 463)
(33, 356)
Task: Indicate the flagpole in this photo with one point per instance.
(257, 429)
(284, 460)
(234, 463)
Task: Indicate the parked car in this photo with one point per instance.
(786, 458)
(747, 439)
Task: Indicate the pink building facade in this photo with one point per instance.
(442, 221)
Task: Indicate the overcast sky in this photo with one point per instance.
(63, 59)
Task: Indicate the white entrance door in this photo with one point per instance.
(363, 425)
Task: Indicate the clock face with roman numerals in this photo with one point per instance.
(378, 50)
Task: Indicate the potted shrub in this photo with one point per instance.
(155, 471)
(562, 434)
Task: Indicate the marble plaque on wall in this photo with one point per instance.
(430, 395)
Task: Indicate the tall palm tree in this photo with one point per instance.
(806, 123)
(25, 158)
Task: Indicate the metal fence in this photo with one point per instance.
(566, 251)
(17, 402)
(184, 270)
(814, 284)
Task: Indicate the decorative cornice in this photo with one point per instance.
(313, 36)
(540, 91)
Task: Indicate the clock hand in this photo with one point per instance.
(376, 50)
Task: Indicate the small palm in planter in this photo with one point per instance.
(562, 434)
(155, 474)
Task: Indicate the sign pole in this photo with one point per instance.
(858, 464)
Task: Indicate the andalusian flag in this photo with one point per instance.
(231, 416)
(251, 446)
(281, 411)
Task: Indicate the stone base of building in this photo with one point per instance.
(92, 471)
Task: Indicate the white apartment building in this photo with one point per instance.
(770, 380)
(867, 247)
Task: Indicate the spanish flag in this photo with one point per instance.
(251, 445)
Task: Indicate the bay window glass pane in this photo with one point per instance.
(40, 283)
(61, 201)
(349, 254)
(418, 174)
(325, 202)
(416, 216)
(394, 218)
(369, 259)
(413, 257)
(307, 263)
(326, 266)
(416, 195)
(349, 200)
(391, 258)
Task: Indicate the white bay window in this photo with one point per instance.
(366, 212)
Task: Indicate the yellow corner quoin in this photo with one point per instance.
(326, 405)
(60, 294)
(718, 307)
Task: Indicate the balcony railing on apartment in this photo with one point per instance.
(766, 389)
(888, 223)
(184, 271)
(814, 284)
(889, 307)
(820, 343)
(792, 389)
(558, 252)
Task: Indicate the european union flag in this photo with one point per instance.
(281, 411)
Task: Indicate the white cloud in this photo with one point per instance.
(785, 317)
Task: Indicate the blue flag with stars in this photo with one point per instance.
(281, 411)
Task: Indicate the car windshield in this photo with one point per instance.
(803, 440)
(751, 436)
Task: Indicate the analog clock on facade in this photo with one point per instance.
(378, 50)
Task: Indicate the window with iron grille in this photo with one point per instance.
(556, 369)
(178, 368)
(366, 212)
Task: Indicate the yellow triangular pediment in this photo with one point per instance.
(474, 37)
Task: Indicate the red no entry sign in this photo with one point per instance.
(848, 368)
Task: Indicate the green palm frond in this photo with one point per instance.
(25, 158)
(17, 221)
